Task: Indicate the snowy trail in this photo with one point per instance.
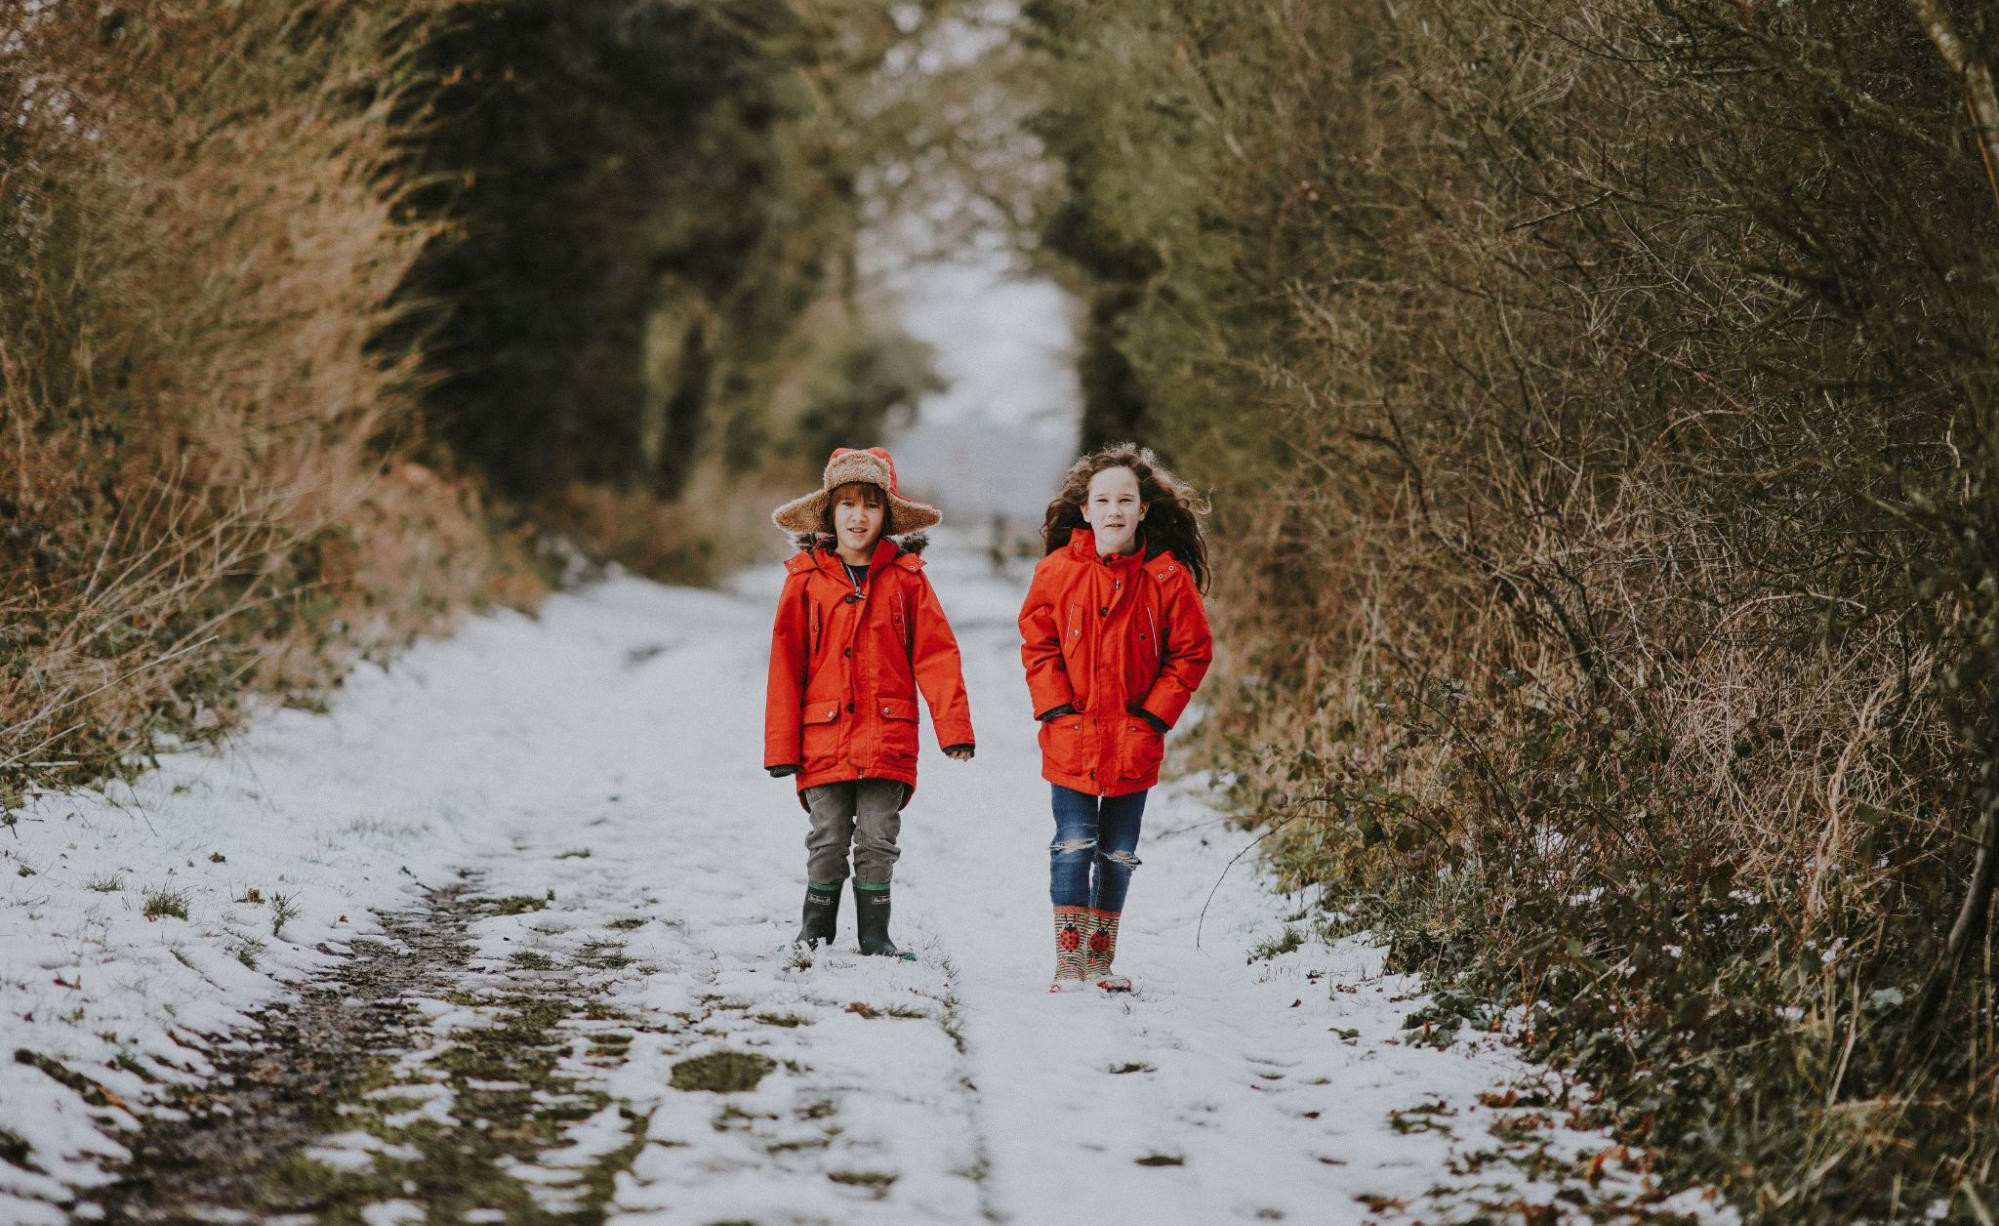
(595, 772)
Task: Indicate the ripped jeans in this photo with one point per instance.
(1090, 861)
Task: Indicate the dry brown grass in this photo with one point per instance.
(200, 457)
(1600, 404)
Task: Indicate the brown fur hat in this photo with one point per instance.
(846, 464)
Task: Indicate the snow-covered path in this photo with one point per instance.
(595, 771)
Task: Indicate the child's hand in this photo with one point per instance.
(959, 753)
(779, 772)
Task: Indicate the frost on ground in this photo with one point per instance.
(620, 1030)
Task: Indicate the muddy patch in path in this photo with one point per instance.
(415, 1082)
(282, 1089)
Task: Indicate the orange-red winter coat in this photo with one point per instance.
(845, 668)
(1110, 637)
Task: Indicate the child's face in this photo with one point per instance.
(857, 514)
(1113, 510)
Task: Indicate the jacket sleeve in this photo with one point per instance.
(1189, 649)
(1041, 645)
(939, 673)
(783, 729)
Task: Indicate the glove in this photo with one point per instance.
(1158, 724)
(1053, 712)
(779, 772)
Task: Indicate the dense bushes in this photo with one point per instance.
(648, 212)
(196, 247)
(1600, 402)
(304, 306)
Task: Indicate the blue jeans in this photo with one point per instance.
(1090, 861)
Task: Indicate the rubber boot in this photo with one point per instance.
(1072, 928)
(871, 912)
(822, 914)
(1103, 952)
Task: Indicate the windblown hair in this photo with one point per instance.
(1172, 507)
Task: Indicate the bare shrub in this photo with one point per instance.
(1599, 399)
(199, 243)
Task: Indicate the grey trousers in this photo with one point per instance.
(865, 812)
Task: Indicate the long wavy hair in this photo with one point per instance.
(1173, 508)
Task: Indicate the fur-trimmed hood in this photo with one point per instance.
(910, 542)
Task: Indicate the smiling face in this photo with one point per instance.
(856, 514)
(1113, 509)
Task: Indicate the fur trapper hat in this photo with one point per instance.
(846, 465)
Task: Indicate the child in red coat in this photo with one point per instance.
(858, 633)
(1115, 642)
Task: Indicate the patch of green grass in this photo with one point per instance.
(575, 853)
(162, 901)
(131, 1064)
(518, 904)
(1136, 1066)
(246, 950)
(786, 1020)
(627, 923)
(90, 1091)
(284, 909)
(1162, 1160)
(607, 1046)
(1278, 945)
(604, 956)
(722, 1072)
(529, 960)
(109, 884)
(876, 1181)
(14, 1150)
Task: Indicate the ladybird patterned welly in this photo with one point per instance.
(846, 666)
(1112, 637)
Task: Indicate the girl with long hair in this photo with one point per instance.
(1115, 642)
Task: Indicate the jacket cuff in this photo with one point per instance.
(1166, 712)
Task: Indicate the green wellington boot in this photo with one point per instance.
(871, 912)
(822, 914)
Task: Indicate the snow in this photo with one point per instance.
(604, 757)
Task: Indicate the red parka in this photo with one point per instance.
(1110, 637)
(845, 666)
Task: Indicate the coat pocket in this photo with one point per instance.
(1142, 747)
(898, 723)
(820, 718)
(1062, 745)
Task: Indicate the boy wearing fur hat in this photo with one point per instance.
(858, 633)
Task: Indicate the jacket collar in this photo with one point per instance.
(1083, 546)
(829, 559)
